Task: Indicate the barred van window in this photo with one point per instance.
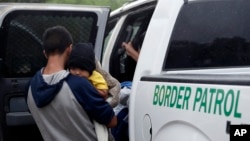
(23, 44)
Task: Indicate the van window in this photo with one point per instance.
(21, 37)
(210, 34)
(122, 66)
(108, 32)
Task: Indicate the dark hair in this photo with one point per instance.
(83, 57)
(56, 39)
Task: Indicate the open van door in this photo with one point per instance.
(22, 26)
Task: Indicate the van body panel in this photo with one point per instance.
(130, 5)
(192, 105)
(153, 48)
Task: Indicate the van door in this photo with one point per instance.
(131, 25)
(22, 26)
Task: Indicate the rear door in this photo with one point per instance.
(22, 26)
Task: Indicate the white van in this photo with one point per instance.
(192, 78)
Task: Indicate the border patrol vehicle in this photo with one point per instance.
(192, 77)
(191, 81)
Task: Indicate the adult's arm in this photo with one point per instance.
(113, 122)
(91, 101)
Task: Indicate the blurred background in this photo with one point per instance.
(113, 4)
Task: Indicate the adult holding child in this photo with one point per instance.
(82, 62)
(64, 105)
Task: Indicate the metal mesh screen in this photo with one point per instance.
(23, 44)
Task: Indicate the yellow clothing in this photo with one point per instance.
(98, 81)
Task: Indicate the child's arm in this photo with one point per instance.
(103, 93)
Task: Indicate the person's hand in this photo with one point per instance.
(130, 50)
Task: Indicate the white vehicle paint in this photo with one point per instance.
(179, 95)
